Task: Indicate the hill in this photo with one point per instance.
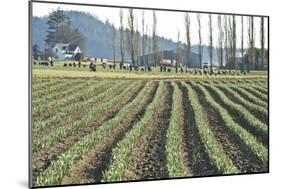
(97, 35)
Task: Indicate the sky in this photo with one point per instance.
(169, 23)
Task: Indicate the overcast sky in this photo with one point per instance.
(168, 22)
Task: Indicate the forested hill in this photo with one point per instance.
(98, 35)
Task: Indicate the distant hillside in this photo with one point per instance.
(97, 34)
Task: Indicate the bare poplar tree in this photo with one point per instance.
(155, 45)
(251, 40)
(262, 42)
(143, 38)
(113, 44)
(233, 41)
(230, 41)
(242, 44)
(146, 44)
(188, 40)
(211, 42)
(200, 52)
(178, 52)
(149, 42)
(137, 43)
(220, 42)
(226, 39)
(122, 40)
(131, 37)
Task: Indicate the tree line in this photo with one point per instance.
(138, 44)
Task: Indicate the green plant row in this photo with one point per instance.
(53, 97)
(56, 87)
(251, 119)
(174, 146)
(40, 84)
(87, 91)
(263, 89)
(64, 131)
(214, 149)
(76, 107)
(121, 153)
(241, 100)
(60, 105)
(59, 168)
(254, 85)
(245, 92)
(257, 93)
(256, 147)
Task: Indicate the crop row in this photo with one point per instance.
(212, 147)
(174, 147)
(64, 131)
(122, 151)
(56, 171)
(57, 87)
(69, 112)
(55, 96)
(248, 139)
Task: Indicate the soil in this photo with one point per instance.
(197, 160)
(238, 118)
(148, 159)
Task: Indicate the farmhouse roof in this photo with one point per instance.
(72, 47)
(61, 45)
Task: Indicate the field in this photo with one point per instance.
(99, 127)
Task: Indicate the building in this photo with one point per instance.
(66, 51)
(169, 57)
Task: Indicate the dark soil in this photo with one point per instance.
(238, 118)
(148, 159)
(197, 160)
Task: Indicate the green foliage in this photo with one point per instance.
(36, 51)
(60, 31)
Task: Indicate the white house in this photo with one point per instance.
(64, 51)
